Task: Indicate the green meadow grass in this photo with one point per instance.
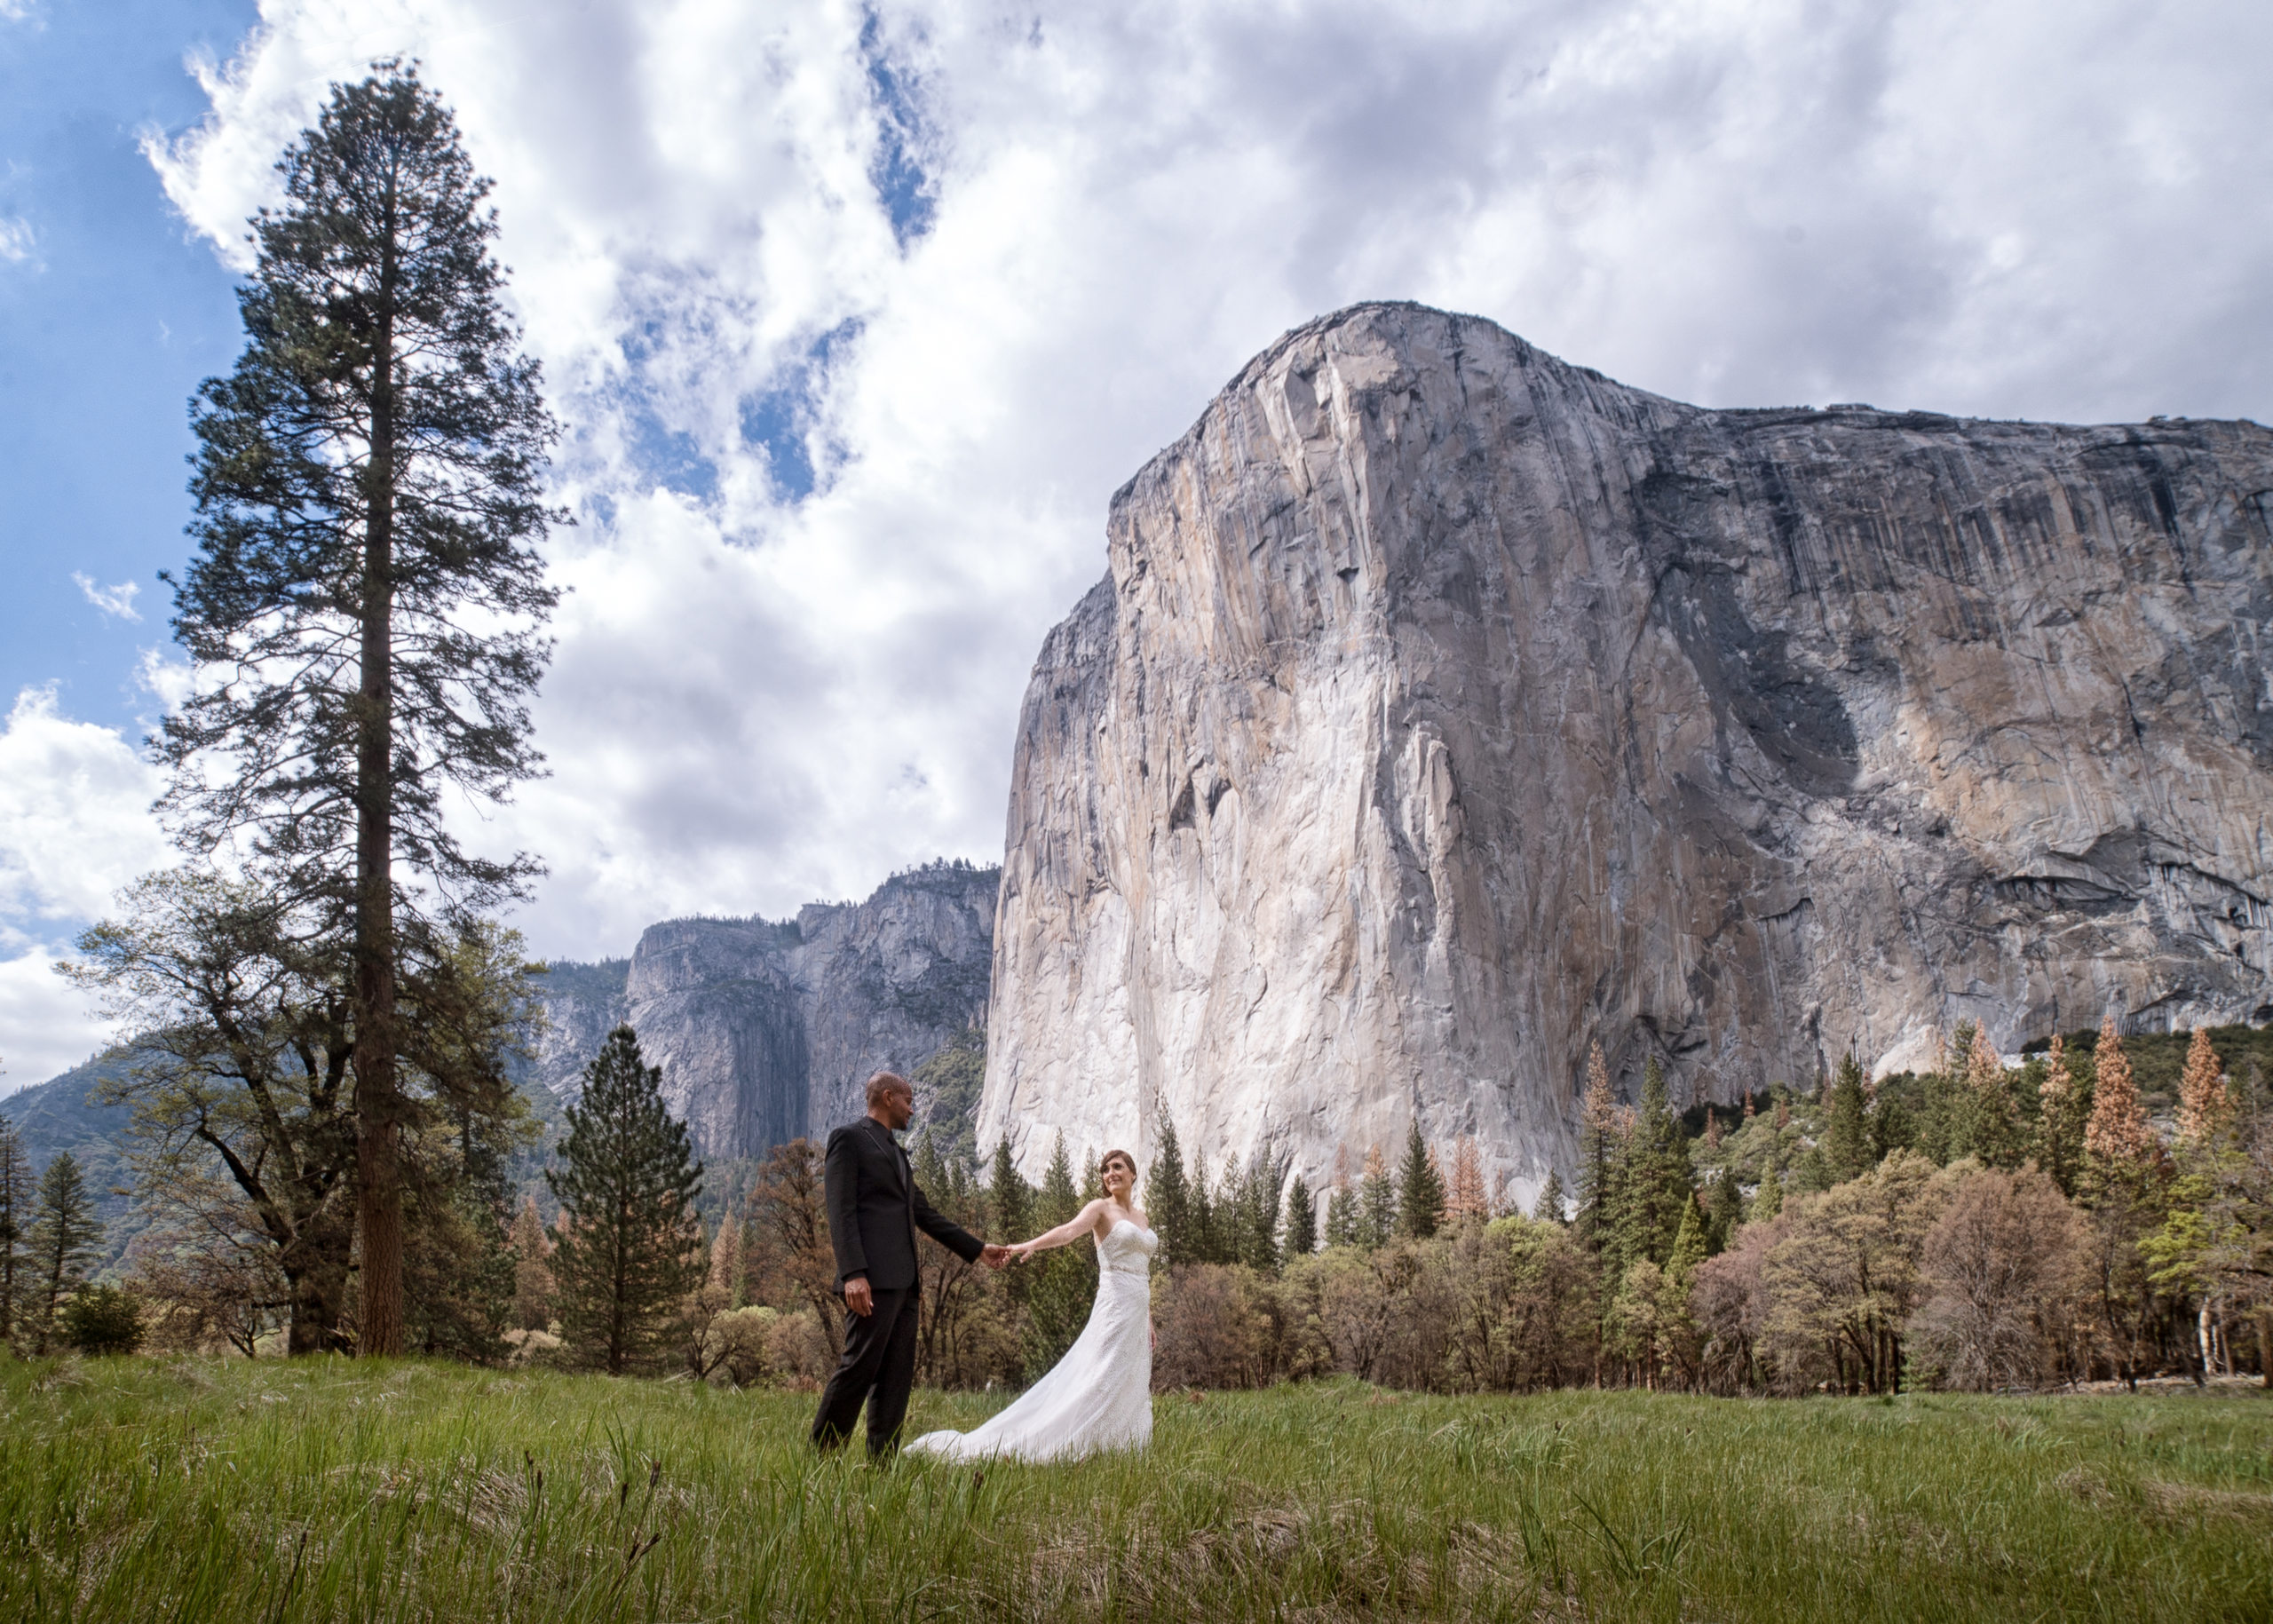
(195, 1490)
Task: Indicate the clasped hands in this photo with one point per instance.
(862, 1301)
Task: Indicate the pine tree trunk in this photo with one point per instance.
(377, 1146)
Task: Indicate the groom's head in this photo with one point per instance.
(891, 1101)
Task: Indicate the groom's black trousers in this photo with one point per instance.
(878, 1365)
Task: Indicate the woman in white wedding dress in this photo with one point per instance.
(1100, 1395)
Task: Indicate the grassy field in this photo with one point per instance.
(192, 1490)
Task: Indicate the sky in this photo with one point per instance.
(856, 315)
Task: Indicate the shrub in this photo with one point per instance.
(102, 1319)
(1228, 1326)
(734, 1345)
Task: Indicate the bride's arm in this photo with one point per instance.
(1082, 1222)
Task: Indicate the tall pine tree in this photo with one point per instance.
(1847, 1135)
(1064, 1280)
(1656, 1175)
(1598, 1150)
(631, 1247)
(368, 490)
(66, 1237)
(1376, 1201)
(1167, 1198)
(1420, 1187)
(1550, 1207)
(1301, 1219)
(2064, 1109)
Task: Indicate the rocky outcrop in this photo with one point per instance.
(767, 1031)
(1447, 708)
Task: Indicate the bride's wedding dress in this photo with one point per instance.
(1100, 1395)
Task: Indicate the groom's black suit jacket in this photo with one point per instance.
(874, 1209)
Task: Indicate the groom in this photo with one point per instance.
(873, 1212)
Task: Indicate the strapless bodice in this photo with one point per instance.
(1128, 1247)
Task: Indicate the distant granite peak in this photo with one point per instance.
(765, 1030)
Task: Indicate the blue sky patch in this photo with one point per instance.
(906, 188)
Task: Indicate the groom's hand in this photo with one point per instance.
(994, 1257)
(857, 1297)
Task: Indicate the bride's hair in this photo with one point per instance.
(1110, 1157)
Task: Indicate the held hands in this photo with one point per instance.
(995, 1256)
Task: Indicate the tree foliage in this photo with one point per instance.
(633, 1247)
(364, 605)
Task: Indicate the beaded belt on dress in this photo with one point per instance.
(1143, 1268)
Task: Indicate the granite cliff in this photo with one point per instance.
(1447, 708)
(766, 1030)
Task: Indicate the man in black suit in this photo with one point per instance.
(873, 1212)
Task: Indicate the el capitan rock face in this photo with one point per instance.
(1448, 708)
(765, 1031)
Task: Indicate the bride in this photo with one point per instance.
(1100, 1395)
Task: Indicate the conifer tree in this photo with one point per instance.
(2205, 1111)
(65, 1238)
(1009, 1201)
(1992, 1116)
(1063, 1279)
(532, 1270)
(15, 1226)
(632, 1248)
(726, 1251)
(368, 491)
(1252, 1208)
(2064, 1108)
(1689, 1244)
(1597, 1148)
(1723, 1213)
(1167, 1198)
(1656, 1175)
(1301, 1219)
(1419, 1188)
(1343, 1221)
(2118, 1139)
(1376, 1201)
(1847, 1135)
(1465, 1199)
(1768, 1201)
(1550, 1207)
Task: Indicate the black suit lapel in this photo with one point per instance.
(897, 1157)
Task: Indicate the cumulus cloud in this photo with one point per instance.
(112, 600)
(17, 240)
(858, 315)
(75, 825)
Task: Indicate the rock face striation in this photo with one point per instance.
(1447, 708)
(767, 1031)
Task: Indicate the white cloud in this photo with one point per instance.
(2025, 210)
(75, 825)
(114, 601)
(46, 1024)
(17, 240)
(75, 814)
